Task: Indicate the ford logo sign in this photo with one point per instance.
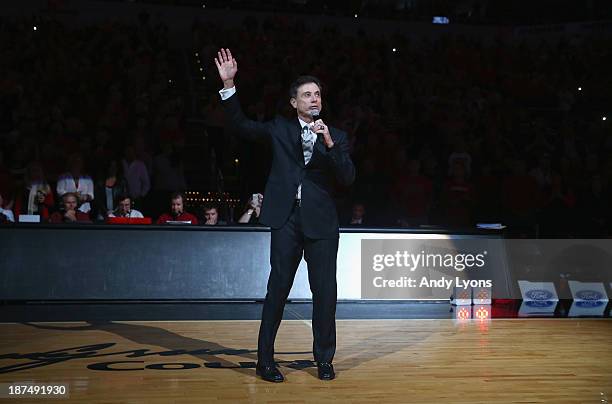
(539, 294)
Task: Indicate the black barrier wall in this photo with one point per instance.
(72, 262)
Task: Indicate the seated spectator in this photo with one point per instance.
(136, 175)
(520, 196)
(357, 215)
(77, 182)
(36, 196)
(6, 215)
(211, 215)
(413, 192)
(177, 211)
(124, 208)
(68, 211)
(109, 187)
(251, 214)
(6, 179)
(458, 196)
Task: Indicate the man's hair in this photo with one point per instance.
(68, 194)
(177, 195)
(209, 206)
(122, 197)
(301, 81)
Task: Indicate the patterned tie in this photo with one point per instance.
(307, 143)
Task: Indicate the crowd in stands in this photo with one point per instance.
(448, 130)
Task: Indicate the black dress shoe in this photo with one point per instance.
(269, 374)
(326, 371)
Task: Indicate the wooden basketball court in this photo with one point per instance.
(378, 361)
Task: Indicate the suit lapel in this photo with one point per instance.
(296, 131)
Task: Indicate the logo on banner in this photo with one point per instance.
(539, 294)
(539, 303)
(589, 295)
(590, 298)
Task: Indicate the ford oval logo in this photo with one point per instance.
(539, 303)
(589, 295)
(539, 294)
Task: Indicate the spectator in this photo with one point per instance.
(460, 154)
(136, 175)
(77, 182)
(458, 196)
(543, 173)
(413, 192)
(6, 180)
(211, 215)
(251, 214)
(36, 197)
(168, 176)
(124, 208)
(177, 211)
(358, 212)
(109, 187)
(594, 208)
(68, 211)
(6, 215)
(520, 198)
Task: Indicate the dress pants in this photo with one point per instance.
(287, 246)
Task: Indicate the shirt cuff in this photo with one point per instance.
(225, 93)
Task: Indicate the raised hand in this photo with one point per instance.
(227, 67)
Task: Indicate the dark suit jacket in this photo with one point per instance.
(319, 217)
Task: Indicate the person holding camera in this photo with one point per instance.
(251, 214)
(6, 215)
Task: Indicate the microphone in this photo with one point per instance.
(315, 114)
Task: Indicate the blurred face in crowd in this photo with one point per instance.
(308, 98)
(176, 206)
(70, 202)
(358, 211)
(211, 215)
(125, 206)
(458, 171)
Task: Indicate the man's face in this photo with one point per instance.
(176, 206)
(308, 98)
(70, 203)
(125, 205)
(211, 215)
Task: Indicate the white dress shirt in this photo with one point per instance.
(8, 213)
(133, 214)
(66, 183)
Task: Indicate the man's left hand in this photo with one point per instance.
(320, 127)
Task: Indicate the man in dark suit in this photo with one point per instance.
(307, 157)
